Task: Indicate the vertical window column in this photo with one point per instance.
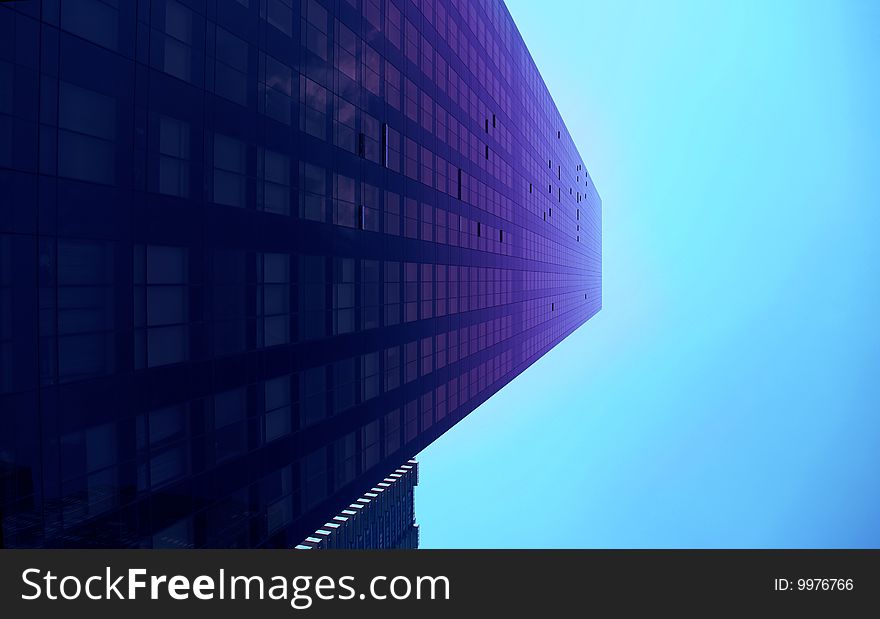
(161, 305)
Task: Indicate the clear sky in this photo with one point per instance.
(728, 393)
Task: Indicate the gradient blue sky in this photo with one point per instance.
(728, 394)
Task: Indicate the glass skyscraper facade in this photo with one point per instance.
(254, 254)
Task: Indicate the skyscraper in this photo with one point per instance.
(254, 254)
(382, 519)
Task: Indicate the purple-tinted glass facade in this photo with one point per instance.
(256, 253)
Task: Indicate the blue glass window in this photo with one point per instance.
(162, 435)
(178, 535)
(344, 385)
(315, 29)
(344, 209)
(314, 395)
(391, 291)
(315, 479)
(313, 180)
(276, 491)
(345, 453)
(230, 301)
(6, 304)
(371, 376)
(278, 13)
(178, 40)
(89, 472)
(370, 297)
(313, 118)
(161, 305)
(273, 301)
(173, 157)
(343, 295)
(86, 343)
(273, 193)
(371, 451)
(231, 67)
(6, 99)
(95, 20)
(86, 136)
(230, 167)
(392, 368)
(276, 89)
(312, 286)
(277, 419)
(392, 432)
(230, 411)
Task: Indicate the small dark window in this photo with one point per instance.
(479, 230)
(487, 125)
(551, 212)
(552, 307)
(530, 188)
(493, 121)
(501, 236)
(550, 163)
(579, 214)
(545, 215)
(558, 135)
(487, 151)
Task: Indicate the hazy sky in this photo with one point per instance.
(728, 393)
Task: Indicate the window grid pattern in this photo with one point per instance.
(305, 228)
